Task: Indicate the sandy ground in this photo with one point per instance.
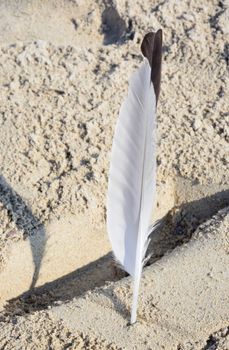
(64, 69)
(182, 306)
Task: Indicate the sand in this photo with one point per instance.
(64, 69)
(181, 305)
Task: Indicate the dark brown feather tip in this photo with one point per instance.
(151, 48)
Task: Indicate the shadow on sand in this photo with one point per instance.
(176, 228)
(24, 220)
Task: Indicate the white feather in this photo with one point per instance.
(132, 178)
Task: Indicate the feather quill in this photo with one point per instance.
(132, 176)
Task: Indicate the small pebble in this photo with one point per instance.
(197, 124)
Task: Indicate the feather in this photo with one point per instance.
(151, 49)
(132, 176)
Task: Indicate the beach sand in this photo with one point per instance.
(64, 70)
